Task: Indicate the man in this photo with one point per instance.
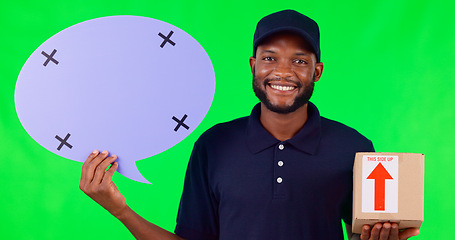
(284, 172)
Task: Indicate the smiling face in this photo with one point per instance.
(284, 72)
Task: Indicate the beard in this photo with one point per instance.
(302, 99)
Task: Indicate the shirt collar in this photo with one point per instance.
(306, 140)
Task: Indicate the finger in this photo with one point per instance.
(375, 231)
(91, 167)
(84, 167)
(394, 231)
(110, 172)
(410, 232)
(385, 231)
(365, 235)
(91, 157)
(101, 169)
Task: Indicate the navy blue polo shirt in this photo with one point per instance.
(242, 183)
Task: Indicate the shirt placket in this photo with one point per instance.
(279, 178)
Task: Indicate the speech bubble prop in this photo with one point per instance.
(134, 86)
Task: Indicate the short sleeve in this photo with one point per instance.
(197, 217)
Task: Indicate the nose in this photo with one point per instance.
(283, 69)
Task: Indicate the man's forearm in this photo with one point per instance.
(143, 229)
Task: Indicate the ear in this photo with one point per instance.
(318, 71)
(252, 64)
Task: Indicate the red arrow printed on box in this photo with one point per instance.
(379, 174)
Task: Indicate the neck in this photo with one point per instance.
(283, 126)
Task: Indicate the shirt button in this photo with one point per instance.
(279, 180)
(280, 163)
(281, 147)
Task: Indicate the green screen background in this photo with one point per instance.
(388, 73)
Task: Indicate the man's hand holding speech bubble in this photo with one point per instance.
(97, 183)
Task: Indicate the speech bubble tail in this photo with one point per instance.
(129, 170)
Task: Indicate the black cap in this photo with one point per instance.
(289, 21)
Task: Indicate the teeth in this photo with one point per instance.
(282, 88)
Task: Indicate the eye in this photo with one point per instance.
(268, 59)
(300, 61)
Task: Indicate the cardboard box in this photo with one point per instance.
(388, 187)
